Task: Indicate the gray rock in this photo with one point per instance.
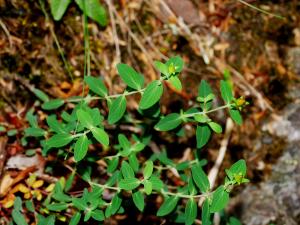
(277, 200)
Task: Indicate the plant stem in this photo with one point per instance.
(67, 66)
(207, 112)
(260, 10)
(106, 97)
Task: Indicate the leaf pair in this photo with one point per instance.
(92, 8)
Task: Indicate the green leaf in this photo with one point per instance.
(2, 129)
(98, 215)
(169, 122)
(117, 109)
(94, 10)
(191, 187)
(148, 169)
(183, 165)
(177, 62)
(204, 91)
(161, 67)
(53, 104)
(175, 82)
(85, 118)
(50, 220)
(124, 142)
(133, 162)
(138, 199)
(96, 116)
(220, 199)
(236, 116)
(81, 148)
(87, 215)
(203, 134)
(234, 221)
(79, 203)
(101, 136)
(215, 127)
(12, 132)
(148, 187)
(75, 219)
(34, 132)
(126, 170)
(32, 120)
(41, 95)
(29, 205)
(18, 217)
(115, 204)
(55, 125)
(202, 118)
(205, 215)
(132, 78)
(58, 8)
(151, 95)
(57, 206)
(69, 182)
(200, 178)
(96, 85)
(129, 184)
(18, 204)
(190, 211)
(157, 184)
(239, 168)
(59, 140)
(226, 91)
(168, 206)
(113, 164)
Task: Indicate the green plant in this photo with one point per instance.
(92, 8)
(69, 133)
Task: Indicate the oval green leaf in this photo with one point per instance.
(100, 135)
(205, 215)
(126, 170)
(219, 200)
(200, 178)
(226, 91)
(203, 133)
(81, 148)
(132, 78)
(53, 104)
(190, 213)
(151, 95)
(117, 109)
(204, 91)
(96, 85)
(215, 127)
(148, 169)
(85, 118)
(168, 206)
(138, 199)
(129, 184)
(58, 8)
(94, 10)
(59, 140)
(236, 116)
(175, 82)
(169, 122)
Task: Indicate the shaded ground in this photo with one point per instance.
(210, 38)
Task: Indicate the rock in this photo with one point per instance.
(276, 200)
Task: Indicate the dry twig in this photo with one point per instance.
(212, 175)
